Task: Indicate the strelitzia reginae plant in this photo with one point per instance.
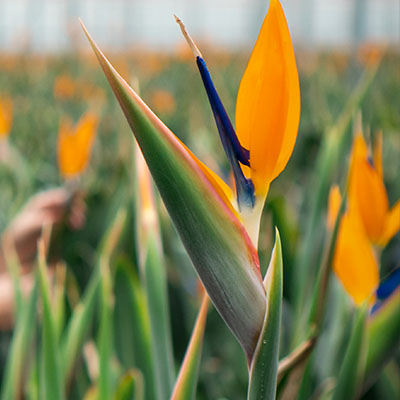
(365, 227)
(219, 230)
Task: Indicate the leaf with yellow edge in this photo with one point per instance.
(268, 102)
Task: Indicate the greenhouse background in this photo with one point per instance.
(51, 25)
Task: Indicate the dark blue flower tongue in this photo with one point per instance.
(386, 288)
(235, 152)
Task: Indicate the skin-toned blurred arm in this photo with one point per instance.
(46, 208)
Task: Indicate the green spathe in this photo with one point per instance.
(215, 240)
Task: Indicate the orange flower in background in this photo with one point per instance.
(368, 221)
(367, 193)
(354, 261)
(75, 144)
(369, 54)
(64, 87)
(163, 102)
(6, 116)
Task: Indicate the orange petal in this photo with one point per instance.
(354, 262)
(268, 103)
(367, 193)
(74, 147)
(333, 206)
(392, 224)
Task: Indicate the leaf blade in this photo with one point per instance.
(185, 386)
(264, 366)
(50, 379)
(352, 369)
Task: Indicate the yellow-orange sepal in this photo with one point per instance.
(367, 194)
(75, 144)
(354, 261)
(268, 102)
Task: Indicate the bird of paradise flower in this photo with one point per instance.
(368, 224)
(219, 230)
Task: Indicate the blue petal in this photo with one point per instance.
(389, 285)
(386, 288)
(235, 152)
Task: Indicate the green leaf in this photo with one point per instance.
(214, 238)
(78, 327)
(185, 386)
(383, 336)
(130, 386)
(82, 315)
(387, 386)
(321, 285)
(352, 370)
(132, 333)
(264, 365)
(105, 334)
(59, 300)
(18, 356)
(106, 305)
(13, 266)
(157, 301)
(50, 373)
